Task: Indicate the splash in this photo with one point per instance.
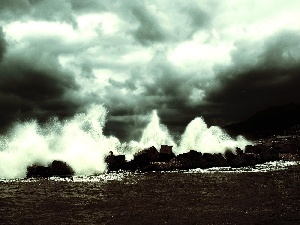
(156, 134)
(81, 143)
(199, 137)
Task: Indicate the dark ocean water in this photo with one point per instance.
(193, 197)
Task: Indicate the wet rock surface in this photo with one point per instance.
(56, 168)
(153, 160)
(164, 160)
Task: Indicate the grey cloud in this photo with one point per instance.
(88, 6)
(259, 73)
(272, 79)
(50, 10)
(282, 50)
(2, 44)
(199, 18)
(161, 87)
(14, 7)
(53, 10)
(128, 84)
(87, 71)
(35, 86)
(143, 24)
(149, 30)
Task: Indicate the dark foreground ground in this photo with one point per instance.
(157, 198)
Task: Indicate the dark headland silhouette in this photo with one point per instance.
(275, 132)
(275, 120)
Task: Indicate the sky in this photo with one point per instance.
(222, 60)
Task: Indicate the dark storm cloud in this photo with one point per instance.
(53, 10)
(137, 56)
(158, 84)
(10, 9)
(253, 83)
(150, 26)
(50, 10)
(162, 88)
(87, 6)
(169, 90)
(149, 30)
(86, 71)
(2, 44)
(199, 18)
(33, 88)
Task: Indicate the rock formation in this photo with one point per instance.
(152, 160)
(56, 168)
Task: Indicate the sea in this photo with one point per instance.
(265, 194)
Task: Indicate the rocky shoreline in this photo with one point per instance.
(165, 160)
(153, 160)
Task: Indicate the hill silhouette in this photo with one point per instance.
(270, 121)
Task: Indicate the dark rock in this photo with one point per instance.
(240, 161)
(165, 153)
(243, 159)
(174, 164)
(289, 148)
(131, 166)
(166, 149)
(115, 162)
(256, 149)
(165, 157)
(274, 153)
(256, 158)
(192, 155)
(229, 156)
(192, 160)
(271, 154)
(151, 154)
(266, 156)
(215, 160)
(156, 166)
(185, 163)
(209, 157)
(143, 158)
(239, 151)
(38, 171)
(289, 157)
(56, 168)
(61, 169)
(152, 160)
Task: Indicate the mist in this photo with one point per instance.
(80, 142)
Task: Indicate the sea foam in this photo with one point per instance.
(81, 143)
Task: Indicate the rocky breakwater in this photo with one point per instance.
(153, 160)
(164, 160)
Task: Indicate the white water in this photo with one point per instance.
(199, 137)
(81, 143)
